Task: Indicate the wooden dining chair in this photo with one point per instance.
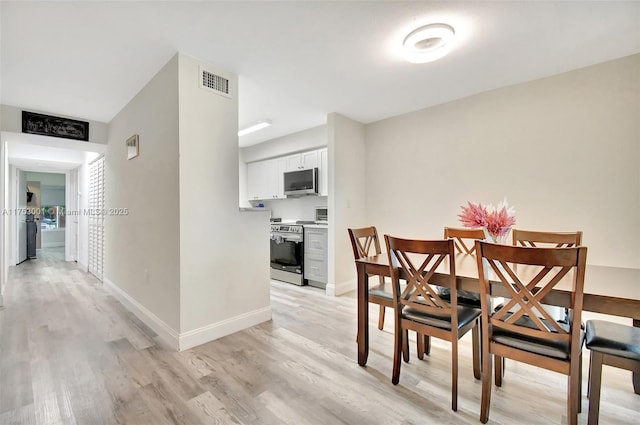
(544, 239)
(464, 242)
(418, 306)
(521, 329)
(610, 344)
(538, 239)
(464, 239)
(365, 242)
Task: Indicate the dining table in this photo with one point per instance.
(608, 290)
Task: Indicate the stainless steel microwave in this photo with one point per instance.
(301, 182)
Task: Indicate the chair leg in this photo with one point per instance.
(580, 385)
(589, 379)
(475, 334)
(485, 401)
(454, 374)
(381, 318)
(399, 342)
(595, 378)
(405, 345)
(572, 399)
(420, 346)
(427, 344)
(498, 376)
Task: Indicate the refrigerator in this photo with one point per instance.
(32, 230)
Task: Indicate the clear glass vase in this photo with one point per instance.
(501, 238)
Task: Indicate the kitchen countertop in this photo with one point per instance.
(309, 223)
(317, 226)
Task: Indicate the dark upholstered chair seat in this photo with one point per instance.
(556, 349)
(610, 344)
(469, 299)
(466, 315)
(613, 338)
(379, 292)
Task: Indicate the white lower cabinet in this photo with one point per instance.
(315, 256)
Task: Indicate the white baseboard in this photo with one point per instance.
(164, 331)
(334, 290)
(225, 327)
(83, 266)
(183, 341)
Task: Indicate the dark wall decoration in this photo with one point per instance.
(47, 125)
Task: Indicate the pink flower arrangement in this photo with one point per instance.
(497, 220)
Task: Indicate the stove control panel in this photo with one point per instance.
(286, 228)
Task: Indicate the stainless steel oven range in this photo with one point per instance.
(287, 253)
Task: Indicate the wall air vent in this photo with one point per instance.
(213, 82)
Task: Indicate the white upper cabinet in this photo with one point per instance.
(301, 161)
(294, 162)
(281, 167)
(255, 178)
(309, 159)
(265, 179)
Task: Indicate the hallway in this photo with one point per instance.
(61, 335)
(71, 354)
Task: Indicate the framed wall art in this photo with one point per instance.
(133, 146)
(47, 125)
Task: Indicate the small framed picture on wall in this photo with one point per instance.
(133, 146)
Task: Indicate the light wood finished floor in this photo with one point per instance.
(71, 354)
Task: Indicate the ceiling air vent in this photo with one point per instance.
(213, 82)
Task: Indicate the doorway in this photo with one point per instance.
(22, 154)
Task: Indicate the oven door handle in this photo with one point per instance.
(280, 239)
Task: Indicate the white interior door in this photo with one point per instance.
(96, 217)
(21, 216)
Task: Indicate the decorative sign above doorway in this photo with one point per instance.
(47, 125)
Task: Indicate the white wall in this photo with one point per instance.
(142, 256)
(224, 253)
(306, 140)
(11, 225)
(72, 215)
(564, 150)
(83, 219)
(347, 206)
(53, 195)
(47, 179)
(4, 172)
(52, 187)
(52, 238)
(292, 209)
(12, 121)
(5, 243)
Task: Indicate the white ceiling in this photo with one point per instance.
(48, 154)
(298, 61)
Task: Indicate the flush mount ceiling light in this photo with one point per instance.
(428, 43)
(255, 127)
